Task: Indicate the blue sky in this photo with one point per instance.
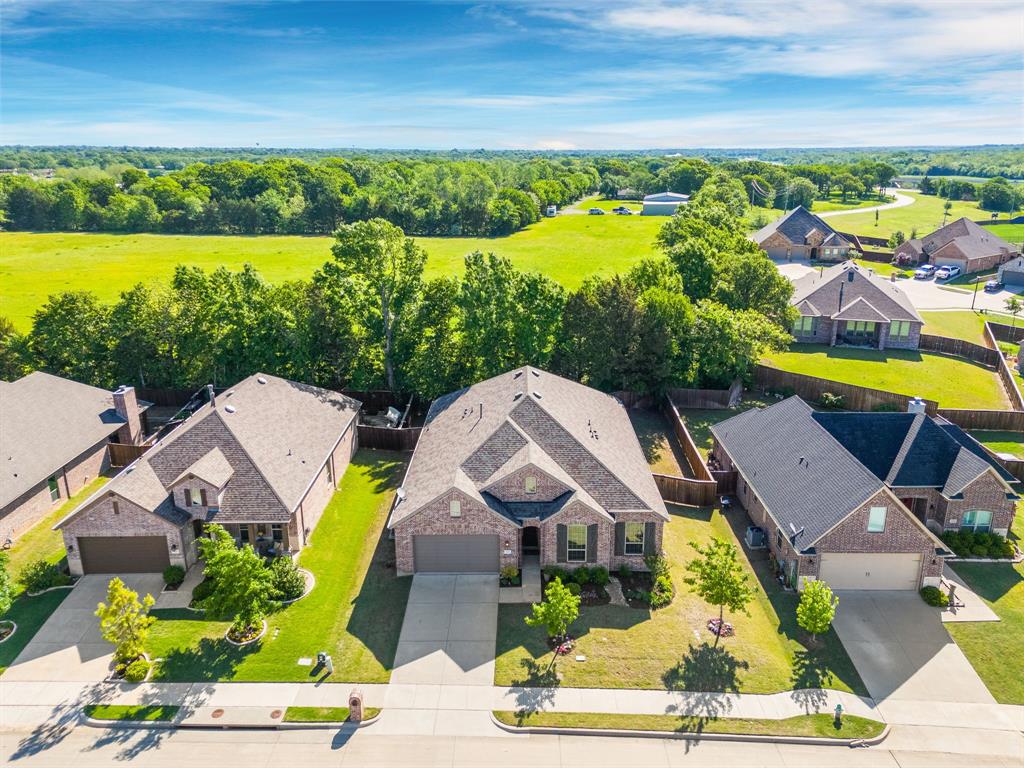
(622, 75)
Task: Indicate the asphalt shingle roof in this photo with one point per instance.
(796, 226)
(45, 422)
(823, 291)
(580, 436)
(970, 238)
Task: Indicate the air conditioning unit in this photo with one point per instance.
(755, 537)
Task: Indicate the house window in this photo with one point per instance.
(116, 506)
(977, 520)
(243, 534)
(455, 508)
(202, 497)
(531, 484)
(803, 326)
(778, 539)
(576, 538)
(634, 538)
(876, 519)
(54, 488)
(899, 329)
(277, 532)
(188, 497)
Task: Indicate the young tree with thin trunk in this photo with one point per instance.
(719, 578)
(817, 608)
(559, 609)
(1014, 307)
(125, 621)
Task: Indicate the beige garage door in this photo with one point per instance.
(123, 554)
(456, 554)
(870, 571)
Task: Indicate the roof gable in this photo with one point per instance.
(834, 289)
(797, 226)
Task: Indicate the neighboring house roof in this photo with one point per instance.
(812, 469)
(265, 439)
(835, 291)
(666, 197)
(1015, 265)
(962, 237)
(45, 422)
(797, 226)
(579, 436)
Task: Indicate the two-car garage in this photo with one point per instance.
(469, 553)
(868, 570)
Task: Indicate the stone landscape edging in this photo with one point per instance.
(311, 582)
(49, 589)
(692, 736)
(250, 641)
(14, 628)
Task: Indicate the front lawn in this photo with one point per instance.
(996, 649)
(882, 268)
(1001, 442)
(819, 725)
(354, 612)
(951, 381)
(148, 713)
(29, 613)
(672, 648)
(40, 542)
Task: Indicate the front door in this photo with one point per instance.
(531, 540)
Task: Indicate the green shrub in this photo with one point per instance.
(42, 575)
(203, 590)
(662, 592)
(658, 565)
(935, 597)
(886, 408)
(581, 575)
(136, 671)
(574, 588)
(288, 580)
(967, 540)
(553, 572)
(599, 576)
(174, 575)
(979, 551)
(625, 571)
(832, 400)
(1003, 549)
(983, 540)
(508, 573)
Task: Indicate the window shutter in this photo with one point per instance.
(650, 545)
(188, 497)
(620, 539)
(592, 543)
(561, 544)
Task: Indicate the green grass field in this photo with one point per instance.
(952, 381)
(607, 205)
(1013, 233)
(34, 265)
(1001, 441)
(925, 214)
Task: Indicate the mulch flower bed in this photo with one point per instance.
(7, 629)
(591, 594)
(633, 585)
(517, 581)
(250, 635)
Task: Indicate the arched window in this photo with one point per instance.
(977, 520)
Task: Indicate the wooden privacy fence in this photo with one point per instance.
(700, 491)
(988, 356)
(966, 418)
(1002, 332)
(1006, 376)
(693, 457)
(855, 398)
(707, 399)
(123, 454)
(388, 439)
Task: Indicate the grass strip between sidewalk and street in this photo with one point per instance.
(146, 713)
(324, 714)
(818, 726)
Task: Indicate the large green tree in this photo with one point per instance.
(243, 586)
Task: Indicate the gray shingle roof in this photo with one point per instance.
(804, 477)
(45, 422)
(823, 291)
(970, 238)
(580, 436)
(267, 437)
(796, 226)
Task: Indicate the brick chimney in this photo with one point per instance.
(127, 408)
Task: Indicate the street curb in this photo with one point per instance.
(618, 733)
(164, 725)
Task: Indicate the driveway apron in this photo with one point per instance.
(449, 632)
(68, 646)
(902, 650)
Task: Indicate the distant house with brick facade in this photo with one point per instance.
(262, 459)
(802, 235)
(848, 304)
(962, 243)
(53, 442)
(858, 499)
(526, 463)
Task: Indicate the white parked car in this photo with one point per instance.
(924, 271)
(947, 272)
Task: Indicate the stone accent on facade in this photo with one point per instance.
(131, 520)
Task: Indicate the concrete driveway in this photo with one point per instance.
(449, 632)
(68, 647)
(902, 651)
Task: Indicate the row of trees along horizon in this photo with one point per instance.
(701, 313)
(423, 195)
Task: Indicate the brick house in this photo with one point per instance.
(856, 499)
(262, 459)
(962, 243)
(799, 234)
(53, 439)
(526, 463)
(849, 305)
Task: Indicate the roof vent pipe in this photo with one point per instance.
(213, 397)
